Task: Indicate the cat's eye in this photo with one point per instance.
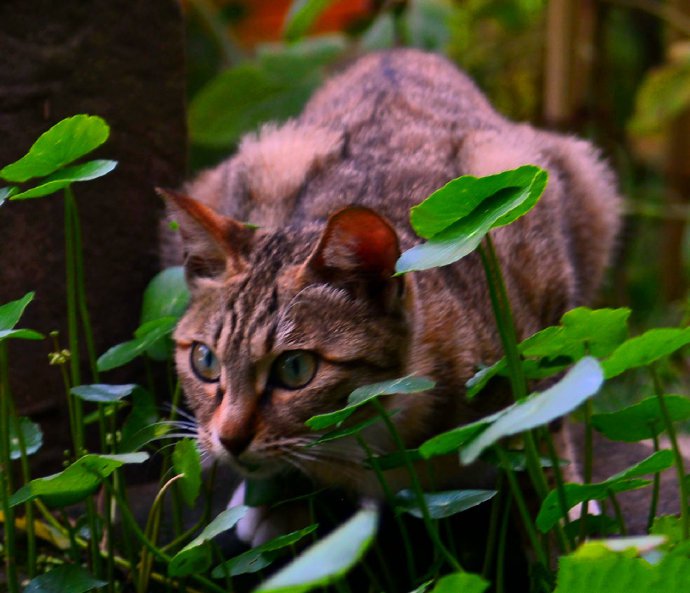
(294, 369)
(204, 363)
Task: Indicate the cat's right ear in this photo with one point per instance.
(214, 245)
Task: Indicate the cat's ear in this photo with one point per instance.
(357, 247)
(214, 245)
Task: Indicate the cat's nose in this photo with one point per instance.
(236, 443)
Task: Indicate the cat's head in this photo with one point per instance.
(284, 324)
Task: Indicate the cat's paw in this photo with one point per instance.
(261, 524)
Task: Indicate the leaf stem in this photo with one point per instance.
(5, 475)
(522, 506)
(678, 457)
(655, 488)
(417, 488)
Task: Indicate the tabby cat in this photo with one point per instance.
(293, 311)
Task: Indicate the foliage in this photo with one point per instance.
(87, 549)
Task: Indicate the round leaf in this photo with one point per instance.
(67, 176)
(65, 142)
(101, 393)
(442, 504)
(187, 461)
(32, 436)
(69, 577)
(642, 420)
(327, 560)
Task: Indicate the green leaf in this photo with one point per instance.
(595, 567)
(187, 461)
(10, 313)
(442, 504)
(68, 578)
(146, 335)
(642, 420)
(345, 431)
(31, 432)
(7, 192)
(380, 34)
(394, 459)
(166, 295)
(195, 557)
(261, 556)
(301, 16)
(363, 395)
(429, 23)
(580, 383)
(550, 511)
(452, 440)
(141, 426)
(75, 483)
(64, 177)
(102, 393)
(65, 142)
(274, 87)
(327, 560)
(464, 582)
(645, 349)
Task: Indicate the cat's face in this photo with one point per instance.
(284, 325)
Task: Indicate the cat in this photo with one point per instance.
(293, 311)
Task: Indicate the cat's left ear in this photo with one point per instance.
(357, 247)
(214, 245)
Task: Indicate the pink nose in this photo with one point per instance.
(236, 443)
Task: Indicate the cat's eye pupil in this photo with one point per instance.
(294, 369)
(204, 363)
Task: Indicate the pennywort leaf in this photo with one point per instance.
(456, 218)
(302, 15)
(102, 393)
(327, 560)
(196, 557)
(31, 435)
(642, 420)
(62, 144)
(363, 395)
(442, 504)
(76, 482)
(187, 461)
(461, 581)
(68, 577)
(580, 383)
(64, 177)
(550, 512)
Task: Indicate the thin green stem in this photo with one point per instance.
(407, 544)
(655, 489)
(678, 457)
(589, 435)
(417, 488)
(81, 288)
(141, 536)
(522, 506)
(26, 478)
(618, 512)
(5, 475)
(151, 532)
(496, 506)
(566, 544)
(502, 543)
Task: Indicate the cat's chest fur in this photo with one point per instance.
(310, 294)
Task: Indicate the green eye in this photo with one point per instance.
(204, 363)
(294, 369)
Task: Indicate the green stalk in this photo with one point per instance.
(28, 507)
(678, 457)
(409, 551)
(655, 489)
(496, 506)
(151, 532)
(417, 488)
(78, 254)
(134, 526)
(587, 466)
(506, 329)
(566, 544)
(5, 475)
(617, 511)
(503, 540)
(522, 506)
